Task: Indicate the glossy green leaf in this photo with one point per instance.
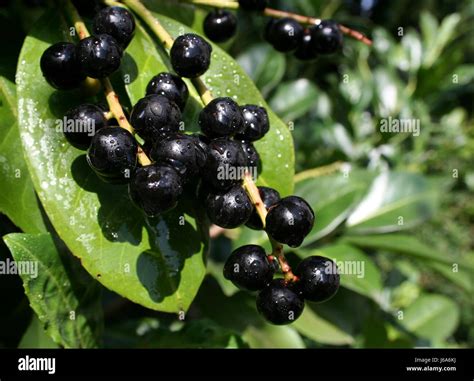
(147, 262)
(332, 199)
(311, 325)
(294, 99)
(264, 65)
(17, 198)
(272, 336)
(358, 271)
(224, 78)
(433, 317)
(62, 294)
(395, 201)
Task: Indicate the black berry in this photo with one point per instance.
(253, 5)
(170, 86)
(284, 34)
(81, 123)
(279, 303)
(306, 50)
(228, 209)
(99, 56)
(155, 188)
(190, 55)
(220, 25)
(116, 22)
(249, 268)
(155, 117)
(327, 37)
(221, 117)
(225, 164)
(290, 220)
(318, 278)
(60, 66)
(256, 123)
(113, 154)
(269, 197)
(252, 156)
(181, 149)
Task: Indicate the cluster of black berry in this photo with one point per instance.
(281, 301)
(285, 34)
(210, 165)
(66, 65)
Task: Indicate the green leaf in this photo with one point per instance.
(432, 317)
(395, 201)
(63, 296)
(272, 336)
(444, 34)
(17, 198)
(358, 271)
(147, 262)
(408, 245)
(294, 99)
(36, 337)
(311, 325)
(224, 78)
(264, 65)
(332, 198)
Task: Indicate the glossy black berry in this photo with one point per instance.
(256, 123)
(60, 66)
(190, 55)
(318, 278)
(228, 209)
(327, 37)
(249, 268)
(99, 56)
(306, 50)
(170, 86)
(220, 25)
(279, 303)
(155, 117)
(116, 22)
(284, 34)
(155, 189)
(81, 123)
(290, 220)
(252, 156)
(113, 154)
(225, 164)
(221, 117)
(253, 5)
(181, 149)
(269, 197)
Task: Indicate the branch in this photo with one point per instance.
(276, 13)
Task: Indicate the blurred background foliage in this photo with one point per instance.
(401, 204)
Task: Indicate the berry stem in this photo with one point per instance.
(160, 32)
(319, 171)
(276, 13)
(112, 98)
(277, 248)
